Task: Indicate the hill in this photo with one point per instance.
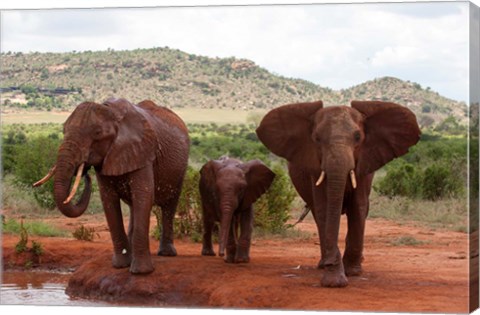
(177, 79)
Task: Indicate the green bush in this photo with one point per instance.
(439, 180)
(189, 210)
(33, 161)
(401, 180)
(433, 182)
(272, 209)
(435, 168)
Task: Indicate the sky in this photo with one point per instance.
(332, 45)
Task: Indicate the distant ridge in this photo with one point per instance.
(176, 79)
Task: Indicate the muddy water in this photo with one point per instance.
(39, 288)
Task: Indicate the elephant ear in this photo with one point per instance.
(259, 178)
(135, 144)
(390, 130)
(208, 175)
(287, 132)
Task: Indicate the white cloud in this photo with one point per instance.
(398, 55)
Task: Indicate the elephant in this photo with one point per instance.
(140, 155)
(332, 154)
(228, 188)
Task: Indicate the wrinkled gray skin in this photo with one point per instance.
(338, 140)
(229, 188)
(140, 154)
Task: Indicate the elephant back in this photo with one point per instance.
(165, 114)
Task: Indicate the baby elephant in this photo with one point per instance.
(228, 188)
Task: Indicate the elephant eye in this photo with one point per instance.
(97, 132)
(357, 136)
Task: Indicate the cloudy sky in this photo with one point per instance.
(333, 45)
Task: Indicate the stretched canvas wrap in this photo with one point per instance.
(366, 114)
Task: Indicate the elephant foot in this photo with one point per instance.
(321, 264)
(167, 250)
(334, 277)
(242, 254)
(353, 265)
(353, 270)
(141, 266)
(122, 260)
(229, 259)
(240, 260)
(208, 252)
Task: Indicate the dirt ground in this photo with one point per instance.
(282, 274)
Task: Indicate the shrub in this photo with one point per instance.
(37, 248)
(401, 180)
(440, 181)
(189, 213)
(33, 161)
(272, 209)
(21, 245)
(433, 169)
(83, 233)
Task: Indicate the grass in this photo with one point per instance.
(34, 117)
(448, 213)
(35, 228)
(291, 233)
(407, 241)
(19, 200)
(189, 115)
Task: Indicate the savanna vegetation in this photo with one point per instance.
(427, 186)
(177, 79)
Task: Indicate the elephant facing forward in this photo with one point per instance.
(228, 188)
(332, 154)
(140, 154)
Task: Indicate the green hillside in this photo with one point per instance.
(46, 81)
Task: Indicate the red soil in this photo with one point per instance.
(282, 274)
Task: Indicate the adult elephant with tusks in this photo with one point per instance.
(140, 155)
(332, 154)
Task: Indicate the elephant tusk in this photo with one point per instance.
(51, 172)
(320, 179)
(75, 184)
(353, 179)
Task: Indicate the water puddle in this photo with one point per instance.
(39, 288)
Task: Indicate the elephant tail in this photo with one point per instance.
(306, 210)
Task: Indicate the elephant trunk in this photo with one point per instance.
(337, 175)
(227, 209)
(66, 168)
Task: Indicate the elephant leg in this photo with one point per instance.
(356, 217)
(320, 229)
(242, 254)
(141, 187)
(333, 270)
(111, 204)
(207, 245)
(232, 241)
(130, 226)
(166, 242)
(352, 258)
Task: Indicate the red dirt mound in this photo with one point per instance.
(282, 274)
